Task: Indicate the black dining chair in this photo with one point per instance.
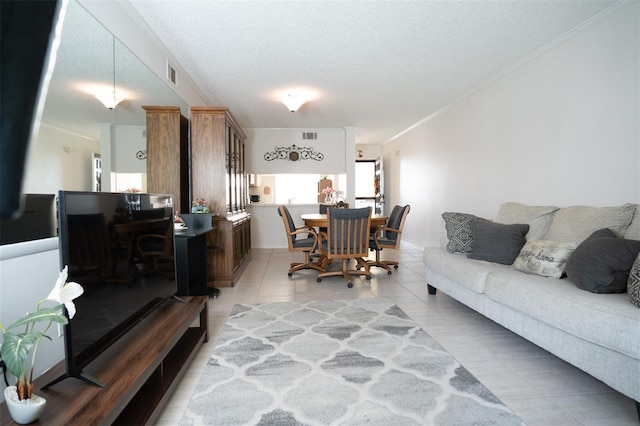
(306, 245)
(388, 236)
(347, 237)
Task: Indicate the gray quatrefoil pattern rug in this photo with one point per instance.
(345, 362)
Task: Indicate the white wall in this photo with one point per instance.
(128, 142)
(331, 143)
(58, 159)
(561, 129)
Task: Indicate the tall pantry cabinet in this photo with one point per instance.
(217, 157)
(168, 154)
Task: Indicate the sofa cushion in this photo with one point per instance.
(468, 273)
(545, 258)
(602, 262)
(537, 217)
(606, 319)
(575, 224)
(458, 226)
(633, 231)
(633, 285)
(496, 242)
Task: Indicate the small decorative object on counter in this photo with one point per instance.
(199, 205)
(328, 194)
(178, 223)
(25, 407)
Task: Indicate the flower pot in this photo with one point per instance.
(25, 411)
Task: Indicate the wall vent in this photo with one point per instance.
(171, 73)
(309, 135)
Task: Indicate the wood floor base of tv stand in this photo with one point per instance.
(139, 372)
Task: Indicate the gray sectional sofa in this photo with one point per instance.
(598, 333)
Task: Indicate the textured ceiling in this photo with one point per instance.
(379, 66)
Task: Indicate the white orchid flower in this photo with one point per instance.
(64, 292)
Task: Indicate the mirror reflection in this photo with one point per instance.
(83, 144)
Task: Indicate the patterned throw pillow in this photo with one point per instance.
(633, 285)
(458, 226)
(545, 258)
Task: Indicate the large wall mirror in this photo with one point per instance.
(82, 144)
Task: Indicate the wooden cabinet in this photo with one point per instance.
(140, 371)
(218, 175)
(168, 154)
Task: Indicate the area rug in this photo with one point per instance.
(344, 362)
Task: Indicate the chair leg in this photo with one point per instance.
(381, 264)
(347, 273)
(308, 264)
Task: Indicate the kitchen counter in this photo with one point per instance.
(289, 206)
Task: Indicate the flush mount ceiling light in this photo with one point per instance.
(293, 101)
(109, 99)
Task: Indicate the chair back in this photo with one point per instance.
(89, 243)
(392, 230)
(395, 223)
(323, 210)
(289, 226)
(348, 232)
(159, 242)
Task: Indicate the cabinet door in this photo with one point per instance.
(236, 181)
(228, 168)
(242, 176)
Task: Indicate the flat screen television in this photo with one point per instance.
(100, 241)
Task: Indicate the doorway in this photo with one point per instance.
(369, 185)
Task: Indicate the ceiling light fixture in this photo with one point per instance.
(293, 102)
(109, 99)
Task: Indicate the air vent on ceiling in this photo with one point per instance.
(309, 135)
(171, 73)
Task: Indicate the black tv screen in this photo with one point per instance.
(120, 248)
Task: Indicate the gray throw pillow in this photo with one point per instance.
(496, 242)
(633, 285)
(601, 263)
(458, 226)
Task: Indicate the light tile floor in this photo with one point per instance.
(542, 389)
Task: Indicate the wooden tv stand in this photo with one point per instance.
(139, 372)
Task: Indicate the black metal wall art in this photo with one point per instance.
(293, 153)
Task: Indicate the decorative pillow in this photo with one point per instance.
(575, 224)
(546, 258)
(538, 217)
(458, 226)
(496, 242)
(602, 262)
(633, 285)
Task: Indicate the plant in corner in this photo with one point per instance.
(23, 337)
